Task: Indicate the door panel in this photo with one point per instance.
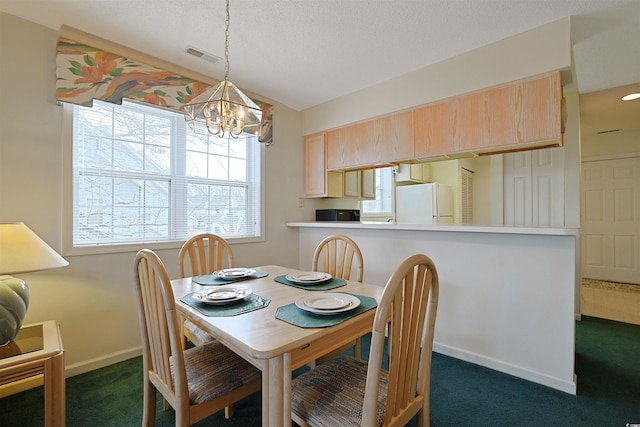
(517, 188)
(611, 220)
(534, 188)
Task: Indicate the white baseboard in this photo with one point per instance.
(516, 371)
(102, 361)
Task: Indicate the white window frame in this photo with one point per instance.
(109, 247)
(381, 216)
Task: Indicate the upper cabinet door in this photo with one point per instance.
(488, 119)
(318, 182)
(394, 138)
(353, 183)
(368, 184)
(541, 110)
(437, 129)
(350, 146)
(315, 180)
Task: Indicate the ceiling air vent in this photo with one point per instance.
(202, 54)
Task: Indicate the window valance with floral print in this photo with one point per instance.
(85, 72)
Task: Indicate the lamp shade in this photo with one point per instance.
(22, 251)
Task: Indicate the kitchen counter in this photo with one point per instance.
(497, 229)
(508, 295)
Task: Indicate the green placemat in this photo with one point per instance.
(324, 286)
(250, 303)
(291, 314)
(210, 279)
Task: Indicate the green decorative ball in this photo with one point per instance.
(14, 300)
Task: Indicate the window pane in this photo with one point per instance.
(121, 209)
(218, 168)
(128, 124)
(97, 153)
(158, 130)
(383, 203)
(128, 156)
(197, 164)
(207, 205)
(157, 159)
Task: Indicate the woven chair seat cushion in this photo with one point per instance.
(196, 334)
(332, 394)
(213, 370)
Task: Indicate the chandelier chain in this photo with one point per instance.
(226, 46)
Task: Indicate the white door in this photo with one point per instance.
(611, 220)
(534, 188)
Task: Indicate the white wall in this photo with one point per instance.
(92, 298)
(506, 300)
(619, 144)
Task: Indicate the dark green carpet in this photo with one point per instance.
(463, 394)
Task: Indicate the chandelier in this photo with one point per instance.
(224, 109)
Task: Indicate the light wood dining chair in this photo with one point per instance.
(336, 254)
(203, 254)
(346, 391)
(340, 256)
(196, 382)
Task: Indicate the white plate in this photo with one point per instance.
(222, 294)
(307, 278)
(234, 273)
(327, 303)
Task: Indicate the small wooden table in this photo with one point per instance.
(273, 346)
(37, 349)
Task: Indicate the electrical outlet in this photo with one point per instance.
(301, 202)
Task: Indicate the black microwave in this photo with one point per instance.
(337, 215)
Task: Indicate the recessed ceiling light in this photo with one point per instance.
(631, 96)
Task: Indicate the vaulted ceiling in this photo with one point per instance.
(305, 52)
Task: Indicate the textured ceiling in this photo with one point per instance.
(304, 52)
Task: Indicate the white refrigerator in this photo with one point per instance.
(424, 204)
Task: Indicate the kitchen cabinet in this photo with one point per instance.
(350, 146)
(393, 138)
(374, 142)
(437, 129)
(541, 111)
(360, 183)
(413, 173)
(352, 183)
(369, 184)
(318, 182)
(518, 116)
(487, 119)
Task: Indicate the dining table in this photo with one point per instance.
(265, 336)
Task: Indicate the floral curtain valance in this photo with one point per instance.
(85, 73)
